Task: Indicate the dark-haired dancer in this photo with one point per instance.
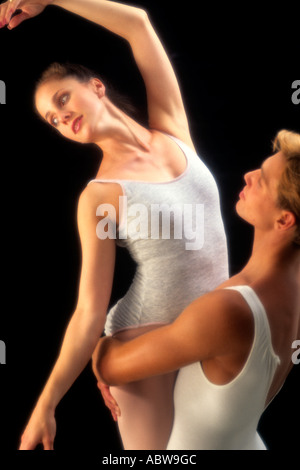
(149, 166)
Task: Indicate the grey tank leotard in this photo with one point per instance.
(176, 267)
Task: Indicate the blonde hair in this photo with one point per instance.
(288, 143)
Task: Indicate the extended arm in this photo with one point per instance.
(165, 105)
(85, 326)
(214, 326)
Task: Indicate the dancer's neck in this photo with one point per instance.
(121, 136)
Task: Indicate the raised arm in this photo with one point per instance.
(85, 326)
(165, 105)
(217, 325)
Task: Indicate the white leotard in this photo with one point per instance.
(170, 274)
(225, 417)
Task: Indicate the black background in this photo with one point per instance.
(236, 65)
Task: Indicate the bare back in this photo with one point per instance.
(282, 303)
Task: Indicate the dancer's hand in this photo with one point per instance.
(109, 400)
(41, 429)
(26, 9)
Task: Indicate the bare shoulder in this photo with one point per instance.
(223, 312)
(96, 193)
(100, 192)
(237, 310)
(226, 302)
(90, 200)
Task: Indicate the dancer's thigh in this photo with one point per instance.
(146, 406)
(146, 412)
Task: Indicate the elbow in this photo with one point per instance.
(142, 17)
(107, 373)
(105, 369)
(101, 370)
(140, 24)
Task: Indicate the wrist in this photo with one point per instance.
(46, 404)
(45, 408)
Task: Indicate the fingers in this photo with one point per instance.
(109, 401)
(16, 20)
(26, 444)
(7, 9)
(4, 11)
(48, 444)
(107, 395)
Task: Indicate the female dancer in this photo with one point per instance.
(147, 167)
(240, 335)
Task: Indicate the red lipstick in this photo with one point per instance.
(77, 124)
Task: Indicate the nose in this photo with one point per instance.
(64, 117)
(248, 177)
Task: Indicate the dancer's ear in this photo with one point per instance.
(98, 87)
(285, 221)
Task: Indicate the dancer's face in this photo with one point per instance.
(258, 200)
(73, 108)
